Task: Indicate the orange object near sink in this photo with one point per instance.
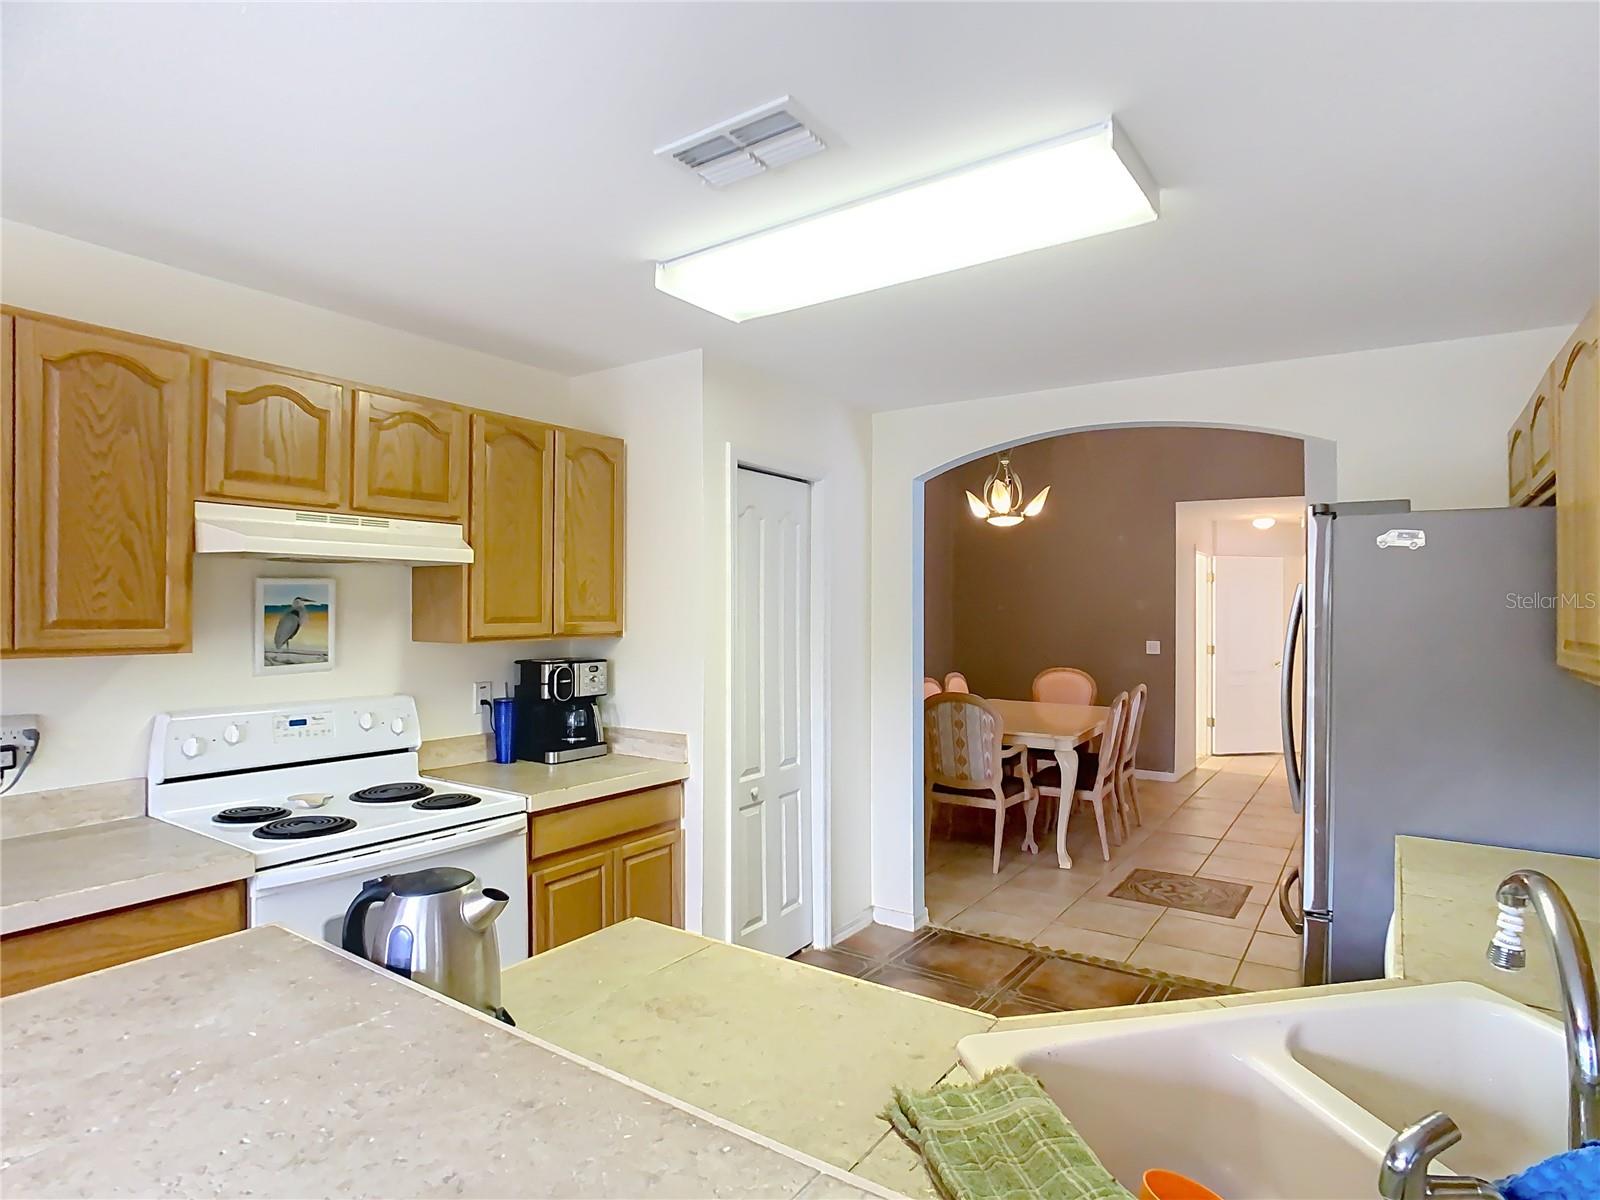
(1169, 1185)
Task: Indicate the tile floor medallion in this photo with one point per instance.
(994, 976)
(1228, 822)
(1192, 893)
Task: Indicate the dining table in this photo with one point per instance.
(1058, 729)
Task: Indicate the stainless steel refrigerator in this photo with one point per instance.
(1430, 705)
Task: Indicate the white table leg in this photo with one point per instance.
(1067, 760)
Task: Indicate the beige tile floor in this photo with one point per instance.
(1228, 819)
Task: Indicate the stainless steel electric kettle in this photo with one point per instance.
(435, 927)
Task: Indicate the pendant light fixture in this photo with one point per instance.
(1002, 497)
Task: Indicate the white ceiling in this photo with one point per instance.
(1335, 177)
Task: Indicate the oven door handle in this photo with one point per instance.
(378, 860)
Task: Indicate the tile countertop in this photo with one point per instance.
(557, 786)
(68, 873)
(743, 1035)
(267, 1064)
(1445, 914)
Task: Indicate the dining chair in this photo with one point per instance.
(1097, 773)
(1064, 685)
(930, 686)
(1127, 754)
(956, 682)
(964, 763)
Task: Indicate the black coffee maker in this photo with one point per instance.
(558, 709)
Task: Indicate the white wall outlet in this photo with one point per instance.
(1152, 647)
(482, 693)
(19, 739)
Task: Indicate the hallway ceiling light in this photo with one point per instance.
(1070, 187)
(1264, 522)
(1002, 504)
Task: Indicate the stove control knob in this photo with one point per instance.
(364, 720)
(397, 726)
(191, 747)
(232, 735)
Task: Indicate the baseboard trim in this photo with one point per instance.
(895, 919)
(853, 926)
(1159, 776)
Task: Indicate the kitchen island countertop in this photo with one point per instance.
(46, 878)
(548, 787)
(744, 1035)
(263, 1063)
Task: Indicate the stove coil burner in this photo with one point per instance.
(447, 800)
(250, 814)
(309, 826)
(391, 793)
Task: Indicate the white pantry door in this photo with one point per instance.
(1247, 631)
(771, 713)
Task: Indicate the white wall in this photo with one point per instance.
(750, 422)
(96, 710)
(658, 668)
(1426, 422)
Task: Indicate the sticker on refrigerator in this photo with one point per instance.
(1406, 539)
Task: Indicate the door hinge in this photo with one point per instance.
(1211, 649)
(1210, 578)
(1211, 722)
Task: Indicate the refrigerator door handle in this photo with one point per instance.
(1291, 639)
(1296, 920)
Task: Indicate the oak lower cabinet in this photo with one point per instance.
(506, 591)
(104, 502)
(273, 437)
(410, 458)
(592, 865)
(589, 547)
(1575, 376)
(35, 957)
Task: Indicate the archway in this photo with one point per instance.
(898, 587)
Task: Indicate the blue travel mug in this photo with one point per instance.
(503, 721)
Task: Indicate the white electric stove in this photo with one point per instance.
(327, 795)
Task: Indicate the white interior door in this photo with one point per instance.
(1247, 631)
(771, 870)
(1202, 655)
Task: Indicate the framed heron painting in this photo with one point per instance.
(293, 626)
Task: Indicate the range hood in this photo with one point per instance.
(294, 533)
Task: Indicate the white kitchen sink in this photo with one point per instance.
(1301, 1097)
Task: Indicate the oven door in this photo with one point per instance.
(311, 897)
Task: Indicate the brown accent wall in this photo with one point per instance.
(1089, 581)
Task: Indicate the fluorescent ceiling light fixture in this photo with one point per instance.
(1071, 187)
(1264, 522)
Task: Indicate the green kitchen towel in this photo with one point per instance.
(1002, 1138)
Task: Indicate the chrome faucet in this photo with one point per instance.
(1581, 1001)
(1404, 1174)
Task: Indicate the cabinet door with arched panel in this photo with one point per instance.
(1576, 385)
(273, 437)
(513, 493)
(104, 494)
(589, 533)
(410, 458)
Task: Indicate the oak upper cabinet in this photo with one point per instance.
(273, 437)
(7, 494)
(589, 533)
(1575, 376)
(104, 496)
(410, 458)
(506, 591)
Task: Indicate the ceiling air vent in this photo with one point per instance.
(746, 145)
